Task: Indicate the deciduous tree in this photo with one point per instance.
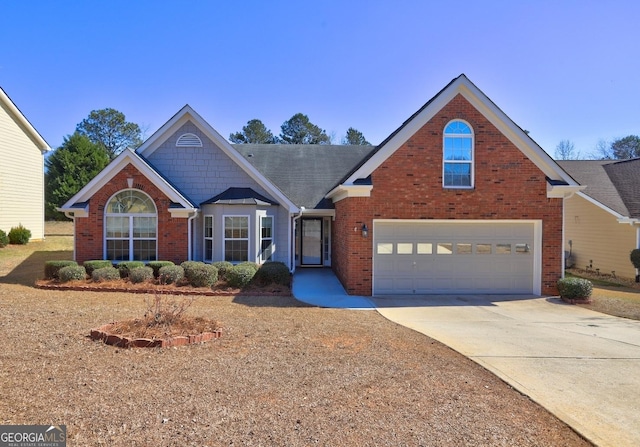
(566, 150)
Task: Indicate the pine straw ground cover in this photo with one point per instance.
(282, 374)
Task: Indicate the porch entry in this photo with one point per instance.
(314, 241)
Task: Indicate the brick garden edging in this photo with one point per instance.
(102, 333)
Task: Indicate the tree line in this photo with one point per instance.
(618, 149)
(296, 130)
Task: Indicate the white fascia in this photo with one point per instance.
(343, 191)
(562, 191)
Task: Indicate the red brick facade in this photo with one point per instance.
(408, 185)
(172, 236)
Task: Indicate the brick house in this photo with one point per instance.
(459, 199)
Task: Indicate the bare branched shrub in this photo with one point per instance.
(163, 312)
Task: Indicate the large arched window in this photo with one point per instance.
(457, 154)
(130, 227)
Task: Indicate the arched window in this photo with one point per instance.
(130, 227)
(458, 154)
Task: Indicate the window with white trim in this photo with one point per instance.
(131, 227)
(208, 238)
(457, 154)
(236, 238)
(266, 238)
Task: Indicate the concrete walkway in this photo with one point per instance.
(582, 366)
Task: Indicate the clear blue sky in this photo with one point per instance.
(560, 69)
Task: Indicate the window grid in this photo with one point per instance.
(236, 238)
(208, 238)
(266, 238)
(130, 227)
(458, 154)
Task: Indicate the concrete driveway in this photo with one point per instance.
(581, 365)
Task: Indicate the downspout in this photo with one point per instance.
(292, 243)
(190, 235)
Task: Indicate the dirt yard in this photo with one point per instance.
(283, 373)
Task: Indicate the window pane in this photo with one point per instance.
(117, 226)
(424, 248)
(236, 251)
(385, 248)
(405, 248)
(457, 174)
(118, 250)
(144, 227)
(457, 127)
(131, 201)
(266, 250)
(457, 149)
(522, 248)
(208, 226)
(483, 249)
(236, 227)
(208, 249)
(144, 250)
(503, 249)
(445, 248)
(267, 224)
(463, 249)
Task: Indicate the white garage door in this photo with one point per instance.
(418, 257)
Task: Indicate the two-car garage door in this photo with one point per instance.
(427, 257)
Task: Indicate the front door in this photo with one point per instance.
(312, 241)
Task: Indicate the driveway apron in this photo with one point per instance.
(583, 366)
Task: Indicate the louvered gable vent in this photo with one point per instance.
(189, 140)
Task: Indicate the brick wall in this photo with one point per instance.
(408, 185)
(89, 231)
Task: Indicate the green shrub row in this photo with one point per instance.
(4, 239)
(273, 273)
(200, 274)
(241, 275)
(72, 273)
(575, 288)
(170, 274)
(105, 274)
(141, 274)
(52, 268)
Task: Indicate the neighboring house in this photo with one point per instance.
(22, 151)
(459, 199)
(602, 222)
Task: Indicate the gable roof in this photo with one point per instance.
(23, 122)
(461, 85)
(305, 173)
(79, 203)
(188, 114)
(612, 183)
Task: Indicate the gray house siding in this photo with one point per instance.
(203, 172)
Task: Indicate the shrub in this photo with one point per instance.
(171, 274)
(203, 275)
(240, 275)
(273, 272)
(189, 267)
(252, 265)
(157, 265)
(52, 268)
(126, 266)
(634, 256)
(223, 267)
(72, 273)
(141, 274)
(105, 274)
(96, 264)
(4, 240)
(19, 235)
(575, 288)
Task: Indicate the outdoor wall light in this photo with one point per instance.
(365, 230)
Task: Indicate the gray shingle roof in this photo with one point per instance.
(614, 183)
(304, 173)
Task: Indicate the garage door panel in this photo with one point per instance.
(425, 257)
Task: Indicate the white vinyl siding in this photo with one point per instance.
(21, 179)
